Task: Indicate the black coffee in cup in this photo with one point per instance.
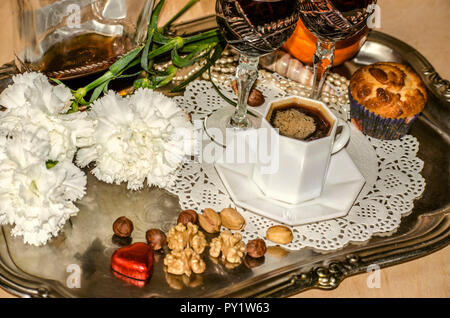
(299, 121)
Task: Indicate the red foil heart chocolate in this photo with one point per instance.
(134, 261)
(131, 281)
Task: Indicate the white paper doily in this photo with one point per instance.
(391, 170)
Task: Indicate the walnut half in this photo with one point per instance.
(186, 244)
(184, 262)
(229, 245)
(182, 236)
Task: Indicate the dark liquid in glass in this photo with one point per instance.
(335, 19)
(257, 27)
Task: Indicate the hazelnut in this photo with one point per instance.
(255, 97)
(232, 219)
(123, 227)
(156, 238)
(210, 221)
(279, 234)
(187, 216)
(256, 248)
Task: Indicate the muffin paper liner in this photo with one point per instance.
(377, 126)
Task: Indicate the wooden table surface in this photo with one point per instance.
(426, 26)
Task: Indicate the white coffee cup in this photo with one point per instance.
(302, 165)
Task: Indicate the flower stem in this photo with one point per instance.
(176, 42)
(218, 50)
(179, 14)
(151, 31)
(157, 43)
(203, 36)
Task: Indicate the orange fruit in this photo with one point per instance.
(302, 45)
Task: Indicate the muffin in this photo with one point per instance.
(385, 99)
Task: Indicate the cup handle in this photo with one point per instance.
(343, 138)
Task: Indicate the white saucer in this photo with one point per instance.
(342, 186)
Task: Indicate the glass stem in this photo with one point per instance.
(246, 74)
(323, 61)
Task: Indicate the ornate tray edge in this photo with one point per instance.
(330, 272)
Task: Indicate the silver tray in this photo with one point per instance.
(86, 241)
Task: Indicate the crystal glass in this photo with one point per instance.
(71, 38)
(254, 28)
(331, 21)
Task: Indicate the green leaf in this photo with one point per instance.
(203, 36)
(171, 71)
(151, 31)
(218, 50)
(160, 38)
(106, 87)
(51, 163)
(73, 108)
(57, 81)
(180, 13)
(129, 75)
(176, 42)
(81, 92)
(97, 91)
(138, 83)
(155, 15)
(144, 56)
(146, 83)
(191, 58)
(210, 41)
(125, 60)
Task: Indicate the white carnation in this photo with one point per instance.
(32, 99)
(34, 130)
(37, 201)
(143, 136)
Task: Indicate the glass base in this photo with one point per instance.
(218, 124)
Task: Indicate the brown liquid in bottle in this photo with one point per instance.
(81, 55)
